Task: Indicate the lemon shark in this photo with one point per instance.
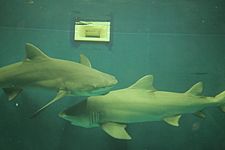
(140, 102)
(67, 77)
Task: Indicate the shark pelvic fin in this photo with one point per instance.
(196, 89)
(145, 82)
(116, 130)
(199, 114)
(174, 121)
(59, 95)
(34, 53)
(85, 61)
(12, 92)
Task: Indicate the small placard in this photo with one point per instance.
(92, 31)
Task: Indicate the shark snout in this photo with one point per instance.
(110, 80)
(113, 80)
(102, 86)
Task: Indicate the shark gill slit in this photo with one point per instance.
(93, 118)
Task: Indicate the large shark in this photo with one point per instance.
(67, 77)
(140, 102)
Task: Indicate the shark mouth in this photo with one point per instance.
(94, 92)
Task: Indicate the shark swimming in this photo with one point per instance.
(67, 77)
(140, 102)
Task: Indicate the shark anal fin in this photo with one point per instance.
(199, 114)
(196, 89)
(12, 92)
(174, 121)
(85, 61)
(116, 130)
(145, 82)
(59, 95)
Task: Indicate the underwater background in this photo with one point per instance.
(180, 42)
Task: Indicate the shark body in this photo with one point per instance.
(67, 77)
(140, 102)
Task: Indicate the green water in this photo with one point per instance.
(179, 42)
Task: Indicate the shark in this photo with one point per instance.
(66, 77)
(140, 102)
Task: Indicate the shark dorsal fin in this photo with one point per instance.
(34, 53)
(145, 82)
(85, 61)
(196, 89)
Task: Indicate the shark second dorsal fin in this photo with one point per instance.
(145, 82)
(196, 89)
(34, 53)
(85, 61)
(116, 130)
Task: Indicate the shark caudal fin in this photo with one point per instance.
(221, 100)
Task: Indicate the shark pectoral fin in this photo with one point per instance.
(174, 121)
(116, 130)
(199, 114)
(59, 95)
(196, 89)
(12, 92)
(85, 61)
(145, 82)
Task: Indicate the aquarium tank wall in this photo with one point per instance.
(178, 42)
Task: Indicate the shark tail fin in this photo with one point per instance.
(221, 100)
